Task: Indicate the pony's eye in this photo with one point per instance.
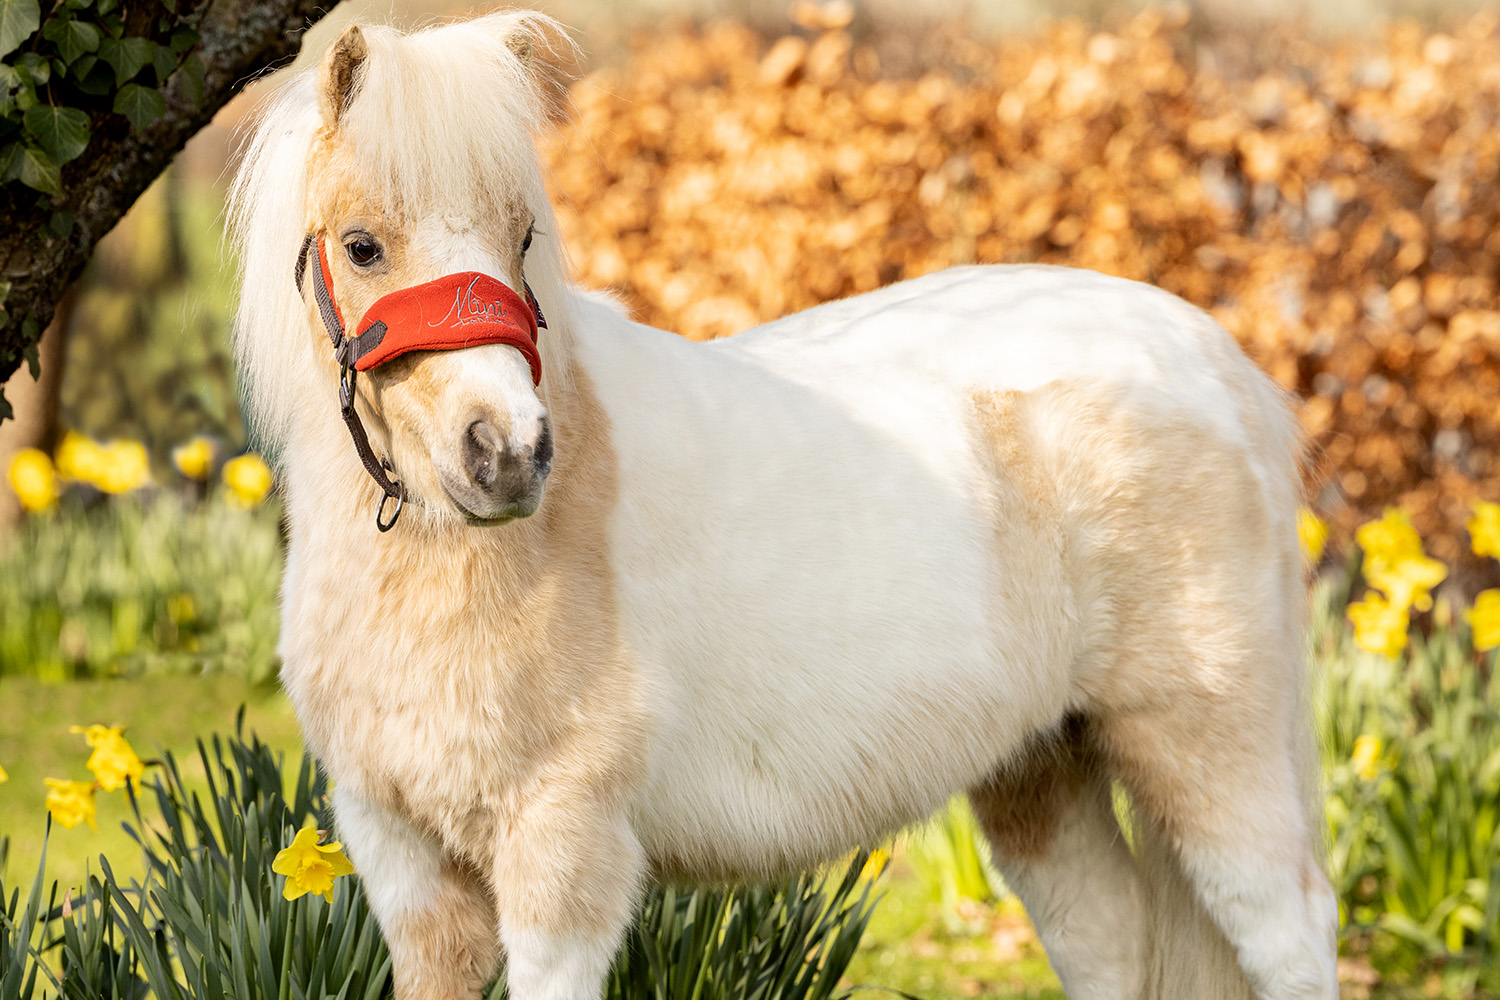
(362, 251)
(526, 243)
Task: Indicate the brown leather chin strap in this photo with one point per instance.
(393, 489)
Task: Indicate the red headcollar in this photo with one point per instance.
(455, 311)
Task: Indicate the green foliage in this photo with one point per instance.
(62, 75)
(127, 584)
(1415, 835)
(209, 919)
(160, 293)
(949, 854)
(788, 942)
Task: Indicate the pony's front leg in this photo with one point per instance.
(566, 879)
(437, 916)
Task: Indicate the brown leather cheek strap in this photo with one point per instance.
(393, 489)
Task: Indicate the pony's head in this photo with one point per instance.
(413, 162)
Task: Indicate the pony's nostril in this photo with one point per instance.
(482, 450)
(541, 455)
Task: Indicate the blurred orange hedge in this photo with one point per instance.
(1335, 205)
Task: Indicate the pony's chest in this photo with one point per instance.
(396, 730)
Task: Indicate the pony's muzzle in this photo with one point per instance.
(506, 472)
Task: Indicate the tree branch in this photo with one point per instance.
(238, 40)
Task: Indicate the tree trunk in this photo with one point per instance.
(238, 40)
(34, 424)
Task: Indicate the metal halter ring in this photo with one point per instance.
(395, 514)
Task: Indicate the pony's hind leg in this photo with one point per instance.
(1222, 805)
(1050, 823)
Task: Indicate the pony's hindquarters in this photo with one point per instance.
(1189, 692)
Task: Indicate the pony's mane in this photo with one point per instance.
(441, 120)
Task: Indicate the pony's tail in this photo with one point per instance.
(1190, 959)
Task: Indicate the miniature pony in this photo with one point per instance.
(665, 610)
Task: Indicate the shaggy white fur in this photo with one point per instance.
(1020, 531)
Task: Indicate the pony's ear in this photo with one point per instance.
(339, 75)
(519, 42)
(548, 57)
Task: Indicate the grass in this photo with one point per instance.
(160, 712)
(146, 583)
(914, 944)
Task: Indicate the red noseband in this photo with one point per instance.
(455, 311)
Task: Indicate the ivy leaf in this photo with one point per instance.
(10, 161)
(164, 62)
(93, 76)
(182, 40)
(10, 82)
(62, 132)
(73, 38)
(126, 55)
(192, 79)
(40, 171)
(60, 224)
(142, 105)
(36, 66)
(18, 19)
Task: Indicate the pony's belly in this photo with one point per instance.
(776, 784)
(791, 722)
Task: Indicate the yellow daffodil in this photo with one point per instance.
(1484, 617)
(248, 479)
(79, 458)
(71, 802)
(1379, 625)
(1391, 538)
(1407, 582)
(3, 776)
(125, 467)
(310, 866)
(1312, 530)
(1394, 562)
(113, 762)
(1484, 529)
(1366, 757)
(117, 467)
(33, 479)
(195, 459)
(875, 864)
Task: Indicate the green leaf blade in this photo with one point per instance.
(142, 105)
(19, 19)
(62, 132)
(39, 171)
(73, 38)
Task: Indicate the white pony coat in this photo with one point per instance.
(834, 534)
(795, 588)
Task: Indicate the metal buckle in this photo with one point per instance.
(347, 378)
